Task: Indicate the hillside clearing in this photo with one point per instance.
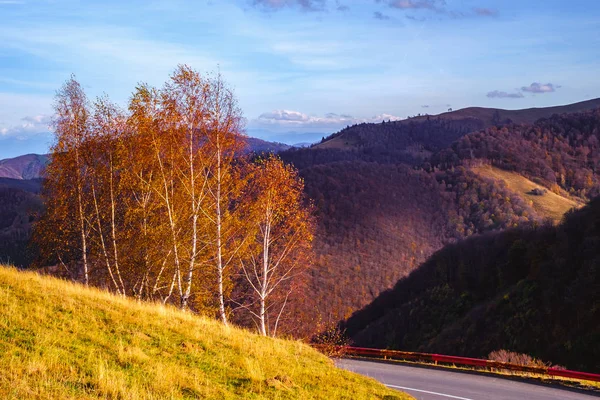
(338, 142)
(62, 340)
(549, 205)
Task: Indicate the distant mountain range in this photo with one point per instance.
(31, 166)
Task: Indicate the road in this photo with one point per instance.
(443, 384)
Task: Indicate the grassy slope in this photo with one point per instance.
(550, 205)
(338, 142)
(61, 340)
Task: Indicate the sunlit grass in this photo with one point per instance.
(61, 340)
(550, 205)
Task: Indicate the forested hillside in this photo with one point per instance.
(384, 207)
(19, 206)
(376, 223)
(533, 291)
(561, 152)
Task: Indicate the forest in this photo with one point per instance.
(562, 152)
(380, 217)
(532, 291)
(19, 208)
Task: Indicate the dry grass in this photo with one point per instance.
(338, 142)
(62, 340)
(550, 205)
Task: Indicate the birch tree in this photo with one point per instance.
(65, 190)
(223, 131)
(282, 230)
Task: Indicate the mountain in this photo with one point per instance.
(534, 291)
(289, 137)
(19, 207)
(29, 166)
(497, 116)
(65, 341)
(26, 185)
(262, 146)
(433, 132)
(382, 211)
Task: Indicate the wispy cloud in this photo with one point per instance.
(109, 46)
(439, 7)
(536, 87)
(380, 16)
(306, 5)
(435, 5)
(29, 125)
(485, 12)
(497, 94)
(341, 7)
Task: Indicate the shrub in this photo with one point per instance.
(512, 357)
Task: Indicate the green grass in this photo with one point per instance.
(550, 205)
(62, 340)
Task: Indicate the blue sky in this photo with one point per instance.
(301, 69)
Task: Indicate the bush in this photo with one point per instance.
(331, 342)
(512, 357)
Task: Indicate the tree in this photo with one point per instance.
(224, 140)
(282, 231)
(64, 189)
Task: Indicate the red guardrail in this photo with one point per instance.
(476, 362)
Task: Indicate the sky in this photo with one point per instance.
(301, 69)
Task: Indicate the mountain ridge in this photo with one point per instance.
(31, 166)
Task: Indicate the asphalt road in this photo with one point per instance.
(439, 384)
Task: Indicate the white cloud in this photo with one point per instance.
(295, 120)
(536, 87)
(30, 125)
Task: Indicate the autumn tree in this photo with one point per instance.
(105, 172)
(222, 129)
(282, 231)
(66, 224)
